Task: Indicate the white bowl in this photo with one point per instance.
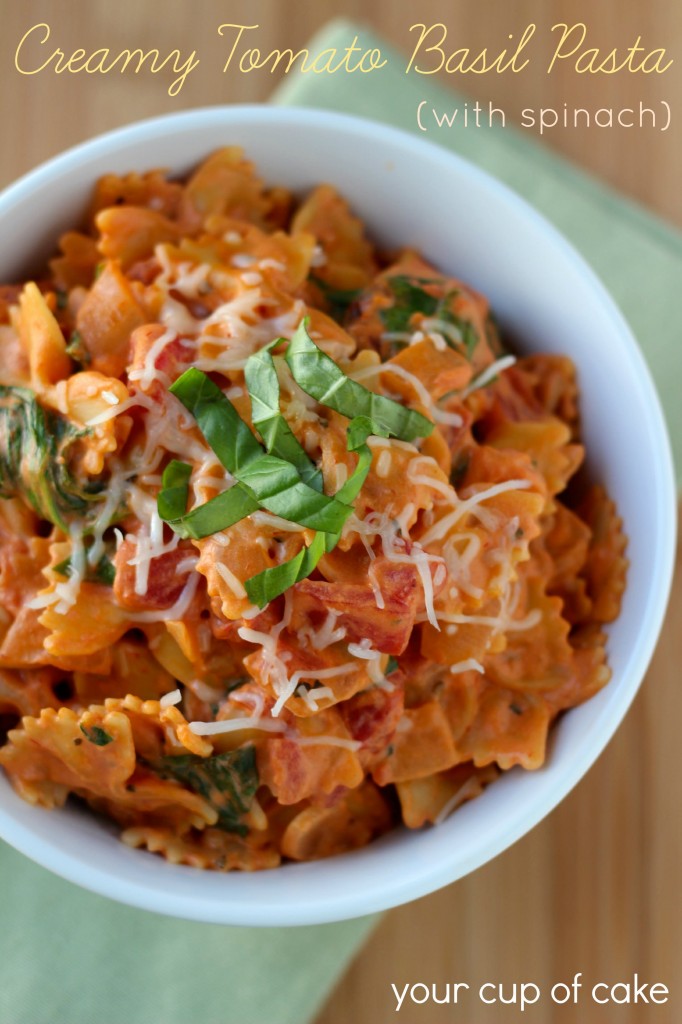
(408, 192)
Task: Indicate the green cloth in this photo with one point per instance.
(637, 256)
(69, 957)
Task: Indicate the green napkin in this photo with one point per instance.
(69, 957)
(638, 257)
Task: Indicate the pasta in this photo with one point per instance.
(292, 550)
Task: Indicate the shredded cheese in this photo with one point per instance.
(117, 407)
(312, 696)
(241, 260)
(325, 636)
(176, 611)
(498, 623)
(488, 374)
(329, 741)
(270, 264)
(444, 525)
(468, 665)
(467, 790)
(326, 673)
(363, 650)
(235, 585)
(169, 699)
(203, 691)
(383, 464)
(236, 725)
(148, 373)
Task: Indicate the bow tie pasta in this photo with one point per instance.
(292, 549)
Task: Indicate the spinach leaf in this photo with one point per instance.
(103, 572)
(338, 299)
(34, 444)
(410, 298)
(227, 781)
(77, 351)
(100, 737)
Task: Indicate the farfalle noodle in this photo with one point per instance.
(461, 610)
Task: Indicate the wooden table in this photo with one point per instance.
(595, 888)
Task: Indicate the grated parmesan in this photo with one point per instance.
(330, 741)
(469, 665)
(235, 585)
(148, 373)
(169, 699)
(236, 725)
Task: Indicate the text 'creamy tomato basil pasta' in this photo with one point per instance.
(288, 551)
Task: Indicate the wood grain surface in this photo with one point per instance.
(595, 888)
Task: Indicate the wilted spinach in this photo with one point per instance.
(227, 781)
(34, 464)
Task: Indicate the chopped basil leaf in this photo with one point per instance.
(272, 582)
(220, 423)
(97, 735)
(468, 333)
(319, 376)
(391, 665)
(213, 516)
(263, 387)
(280, 477)
(172, 501)
(269, 584)
(279, 489)
(272, 482)
(359, 429)
(227, 781)
(105, 572)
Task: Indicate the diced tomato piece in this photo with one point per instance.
(388, 629)
(228, 629)
(170, 361)
(165, 583)
(372, 716)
